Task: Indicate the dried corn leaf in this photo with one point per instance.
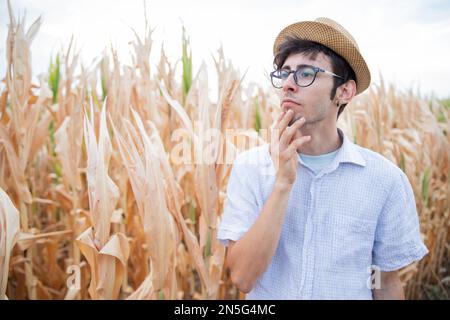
(107, 264)
(26, 240)
(17, 173)
(145, 290)
(68, 139)
(103, 193)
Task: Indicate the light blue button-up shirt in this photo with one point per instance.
(358, 212)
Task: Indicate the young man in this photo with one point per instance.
(334, 220)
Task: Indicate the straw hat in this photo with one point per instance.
(332, 35)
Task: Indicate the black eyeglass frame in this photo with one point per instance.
(316, 71)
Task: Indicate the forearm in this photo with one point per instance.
(249, 257)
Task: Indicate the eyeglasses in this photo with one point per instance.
(304, 76)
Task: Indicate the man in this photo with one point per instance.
(334, 220)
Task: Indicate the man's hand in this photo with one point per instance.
(284, 146)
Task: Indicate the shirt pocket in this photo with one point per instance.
(352, 240)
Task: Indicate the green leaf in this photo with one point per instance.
(192, 213)
(104, 90)
(56, 166)
(258, 121)
(441, 117)
(445, 103)
(51, 129)
(186, 60)
(103, 79)
(207, 252)
(54, 77)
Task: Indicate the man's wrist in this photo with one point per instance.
(283, 186)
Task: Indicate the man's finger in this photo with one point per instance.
(289, 133)
(281, 126)
(297, 143)
(280, 116)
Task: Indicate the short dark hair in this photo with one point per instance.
(340, 66)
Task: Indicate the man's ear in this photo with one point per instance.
(346, 92)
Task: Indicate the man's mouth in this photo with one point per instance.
(286, 103)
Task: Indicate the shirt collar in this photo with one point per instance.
(348, 153)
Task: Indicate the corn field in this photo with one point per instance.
(96, 204)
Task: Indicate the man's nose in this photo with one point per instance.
(289, 84)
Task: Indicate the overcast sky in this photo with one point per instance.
(407, 41)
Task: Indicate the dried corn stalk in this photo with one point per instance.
(106, 255)
(141, 161)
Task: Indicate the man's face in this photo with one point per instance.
(311, 102)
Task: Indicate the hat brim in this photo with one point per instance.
(333, 39)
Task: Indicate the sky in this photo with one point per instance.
(405, 41)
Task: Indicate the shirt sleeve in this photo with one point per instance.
(398, 241)
(241, 208)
